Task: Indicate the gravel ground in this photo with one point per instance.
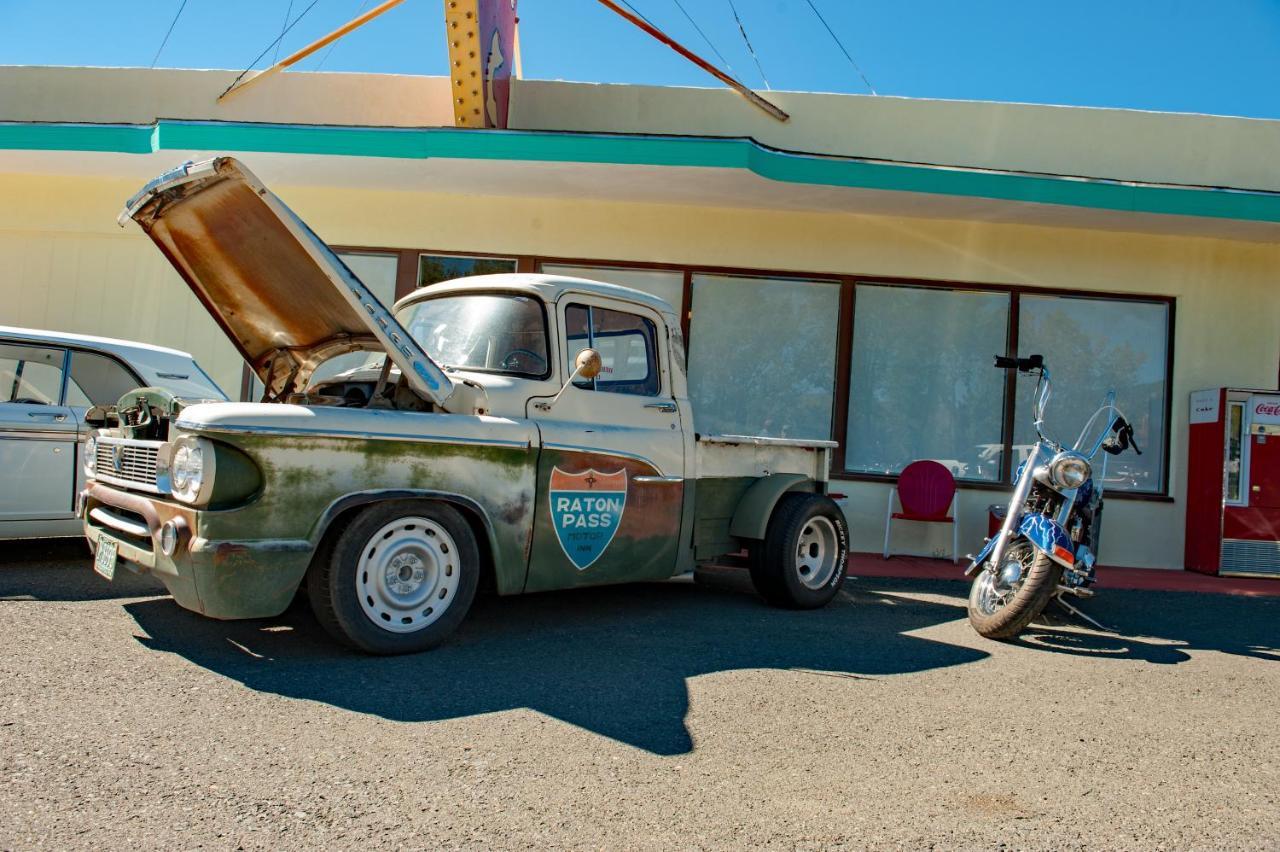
(664, 715)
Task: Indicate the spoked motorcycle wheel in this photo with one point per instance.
(1003, 601)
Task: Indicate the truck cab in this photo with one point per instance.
(522, 432)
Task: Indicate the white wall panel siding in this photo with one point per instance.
(117, 286)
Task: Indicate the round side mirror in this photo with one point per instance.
(587, 365)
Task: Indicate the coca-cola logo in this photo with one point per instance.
(1267, 409)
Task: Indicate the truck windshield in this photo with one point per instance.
(483, 332)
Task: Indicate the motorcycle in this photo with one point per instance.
(1047, 546)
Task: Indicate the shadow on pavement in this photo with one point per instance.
(1157, 627)
(1162, 627)
(61, 569)
(612, 660)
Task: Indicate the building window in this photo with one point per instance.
(762, 355)
(434, 268)
(664, 283)
(628, 347)
(921, 385)
(1092, 345)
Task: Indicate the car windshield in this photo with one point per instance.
(484, 332)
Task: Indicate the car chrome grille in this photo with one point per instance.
(132, 464)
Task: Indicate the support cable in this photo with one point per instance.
(714, 50)
(268, 48)
(840, 45)
(325, 58)
(165, 40)
(288, 13)
(750, 49)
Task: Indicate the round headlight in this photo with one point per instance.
(91, 456)
(1069, 470)
(187, 471)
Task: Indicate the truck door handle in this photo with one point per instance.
(51, 416)
(668, 407)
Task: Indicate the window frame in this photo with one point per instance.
(653, 356)
(407, 279)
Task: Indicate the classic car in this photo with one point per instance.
(48, 381)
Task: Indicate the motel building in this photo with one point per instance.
(847, 274)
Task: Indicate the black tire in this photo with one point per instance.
(777, 571)
(1027, 602)
(333, 586)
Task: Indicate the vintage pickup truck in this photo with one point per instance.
(515, 432)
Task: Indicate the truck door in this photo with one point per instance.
(611, 470)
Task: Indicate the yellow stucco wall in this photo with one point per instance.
(67, 266)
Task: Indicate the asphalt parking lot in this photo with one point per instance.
(663, 715)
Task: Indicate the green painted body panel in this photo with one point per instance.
(751, 516)
(259, 551)
(740, 153)
(717, 499)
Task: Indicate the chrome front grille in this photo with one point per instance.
(131, 464)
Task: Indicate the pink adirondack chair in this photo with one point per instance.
(927, 493)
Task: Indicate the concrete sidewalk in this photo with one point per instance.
(1144, 579)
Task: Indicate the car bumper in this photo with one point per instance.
(220, 579)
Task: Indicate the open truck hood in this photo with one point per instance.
(282, 296)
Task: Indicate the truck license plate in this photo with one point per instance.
(104, 562)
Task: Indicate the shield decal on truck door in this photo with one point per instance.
(586, 509)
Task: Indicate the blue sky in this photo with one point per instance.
(1215, 57)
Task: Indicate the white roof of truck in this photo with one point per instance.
(549, 288)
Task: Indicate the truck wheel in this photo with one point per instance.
(400, 578)
(801, 562)
(1002, 604)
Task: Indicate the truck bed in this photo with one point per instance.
(728, 465)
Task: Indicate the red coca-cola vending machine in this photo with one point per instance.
(1233, 483)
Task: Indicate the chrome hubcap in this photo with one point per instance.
(407, 576)
(817, 552)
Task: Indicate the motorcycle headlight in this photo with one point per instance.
(1068, 470)
(191, 470)
(91, 456)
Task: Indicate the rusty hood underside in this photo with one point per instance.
(284, 298)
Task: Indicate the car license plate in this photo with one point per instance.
(104, 562)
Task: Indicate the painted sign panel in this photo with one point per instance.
(1264, 410)
(1204, 405)
(482, 58)
(586, 510)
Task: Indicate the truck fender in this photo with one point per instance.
(360, 498)
(751, 517)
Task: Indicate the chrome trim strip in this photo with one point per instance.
(574, 448)
(118, 523)
(37, 435)
(760, 441)
(339, 433)
(128, 442)
(658, 480)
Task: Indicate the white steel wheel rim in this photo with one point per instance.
(407, 576)
(817, 552)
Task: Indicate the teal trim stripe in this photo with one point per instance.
(743, 154)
